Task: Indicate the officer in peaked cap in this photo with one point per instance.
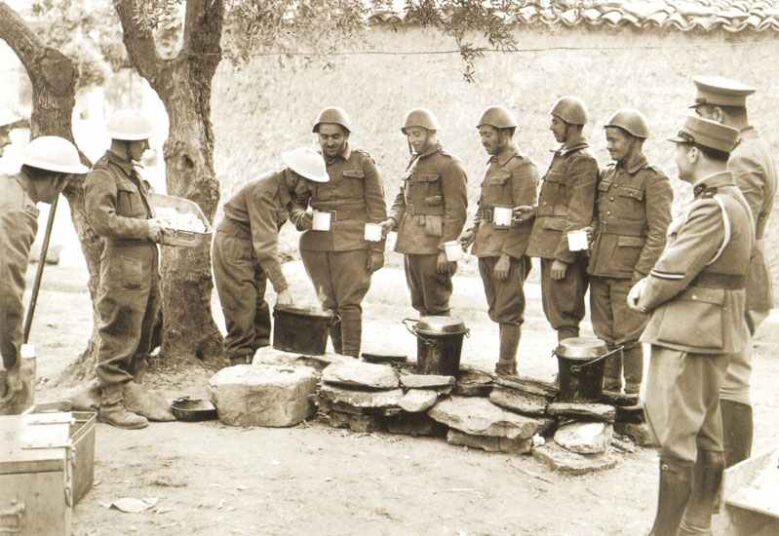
(754, 170)
(695, 297)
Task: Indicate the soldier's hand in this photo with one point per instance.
(375, 261)
(524, 213)
(502, 267)
(306, 222)
(467, 237)
(284, 297)
(634, 296)
(155, 230)
(386, 226)
(559, 268)
(443, 266)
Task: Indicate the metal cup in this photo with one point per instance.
(321, 221)
(577, 240)
(453, 250)
(501, 216)
(372, 232)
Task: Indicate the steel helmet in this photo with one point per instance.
(420, 117)
(53, 153)
(571, 110)
(7, 117)
(631, 121)
(130, 125)
(334, 115)
(307, 163)
(498, 117)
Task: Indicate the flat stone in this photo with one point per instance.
(472, 382)
(518, 401)
(363, 423)
(478, 416)
(263, 395)
(386, 359)
(489, 443)
(269, 355)
(585, 437)
(361, 399)
(619, 399)
(418, 400)
(415, 424)
(529, 386)
(640, 434)
(589, 411)
(426, 381)
(356, 373)
(565, 461)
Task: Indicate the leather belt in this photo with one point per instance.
(345, 214)
(624, 229)
(724, 281)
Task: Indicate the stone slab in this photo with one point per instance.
(418, 400)
(619, 399)
(426, 381)
(585, 437)
(564, 461)
(518, 401)
(361, 399)
(489, 443)
(473, 382)
(415, 424)
(527, 385)
(589, 411)
(269, 355)
(360, 374)
(478, 416)
(363, 424)
(384, 359)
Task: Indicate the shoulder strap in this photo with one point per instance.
(726, 225)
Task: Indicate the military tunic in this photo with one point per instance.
(695, 295)
(117, 208)
(566, 203)
(430, 209)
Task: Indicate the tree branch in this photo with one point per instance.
(139, 42)
(203, 33)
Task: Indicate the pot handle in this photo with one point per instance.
(576, 368)
(407, 321)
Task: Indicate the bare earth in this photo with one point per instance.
(216, 480)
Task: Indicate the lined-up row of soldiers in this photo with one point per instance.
(696, 289)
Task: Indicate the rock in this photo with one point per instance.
(518, 401)
(269, 355)
(529, 386)
(384, 359)
(426, 381)
(418, 400)
(585, 437)
(640, 434)
(564, 461)
(478, 416)
(589, 411)
(361, 399)
(356, 373)
(151, 404)
(623, 444)
(489, 443)
(263, 395)
(415, 424)
(472, 382)
(362, 423)
(619, 399)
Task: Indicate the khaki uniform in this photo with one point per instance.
(336, 260)
(430, 209)
(695, 294)
(117, 208)
(18, 225)
(245, 257)
(566, 203)
(633, 213)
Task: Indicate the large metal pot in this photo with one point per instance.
(581, 361)
(301, 329)
(439, 343)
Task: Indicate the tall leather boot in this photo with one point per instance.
(674, 491)
(633, 365)
(351, 332)
(737, 431)
(612, 374)
(706, 482)
(509, 342)
(335, 337)
(113, 412)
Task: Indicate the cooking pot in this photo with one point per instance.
(439, 343)
(581, 362)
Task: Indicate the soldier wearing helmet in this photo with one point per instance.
(566, 203)
(245, 255)
(633, 212)
(510, 181)
(338, 259)
(49, 162)
(117, 208)
(429, 210)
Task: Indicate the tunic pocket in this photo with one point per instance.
(627, 252)
(695, 319)
(132, 273)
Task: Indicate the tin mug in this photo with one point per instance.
(321, 221)
(577, 240)
(453, 250)
(501, 216)
(372, 232)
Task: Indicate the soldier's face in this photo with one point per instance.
(48, 189)
(418, 138)
(332, 139)
(135, 149)
(685, 160)
(491, 139)
(559, 129)
(618, 144)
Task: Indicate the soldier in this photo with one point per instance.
(429, 210)
(695, 295)
(117, 208)
(48, 163)
(339, 260)
(510, 181)
(245, 251)
(754, 171)
(565, 204)
(633, 212)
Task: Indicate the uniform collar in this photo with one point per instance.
(125, 165)
(430, 150)
(504, 156)
(563, 150)
(345, 154)
(632, 165)
(712, 182)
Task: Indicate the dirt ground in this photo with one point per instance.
(311, 479)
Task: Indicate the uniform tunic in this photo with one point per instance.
(695, 295)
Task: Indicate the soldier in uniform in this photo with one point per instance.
(754, 170)
(510, 181)
(117, 208)
(48, 163)
(565, 204)
(695, 296)
(340, 261)
(633, 212)
(430, 209)
(245, 253)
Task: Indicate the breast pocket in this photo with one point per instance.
(554, 195)
(128, 200)
(631, 203)
(353, 183)
(425, 189)
(497, 189)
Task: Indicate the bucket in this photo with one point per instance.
(301, 330)
(581, 362)
(439, 343)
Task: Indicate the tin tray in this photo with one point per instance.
(181, 237)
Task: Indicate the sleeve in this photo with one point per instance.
(583, 181)
(697, 241)
(750, 179)
(453, 185)
(15, 244)
(100, 195)
(524, 191)
(374, 198)
(659, 197)
(398, 206)
(298, 204)
(263, 222)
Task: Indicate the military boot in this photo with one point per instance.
(335, 337)
(612, 374)
(633, 365)
(351, 332)
(706, 482)
(509, 342)
(674, 492)
(113, 412)
(736, 431)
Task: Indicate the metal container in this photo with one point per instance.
(439, 343)
(581, 361)
(82, 436)
(302, 330)
(193, 409)
(181, 237)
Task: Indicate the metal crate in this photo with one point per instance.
(179, 237)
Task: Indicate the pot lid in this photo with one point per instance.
(581, 348)
(305, 311)
(440, 325)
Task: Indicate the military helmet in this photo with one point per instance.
(334, 115)
(53, 153)
(420, 117)
(498, 117)
(307, 163)
(130, 125)
(571, 110)
(631, 121)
